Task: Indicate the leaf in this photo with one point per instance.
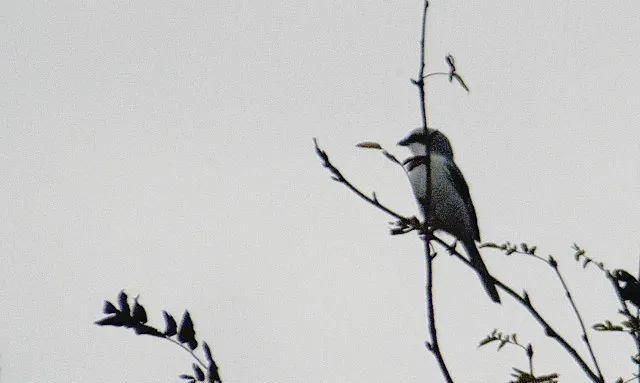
(147, 330)
(586, 262)
(460, 81)
(207, 352)
(486, 341)
(369, 145)
(490, 245)
(115, 320)
(171, 325)
(607, 326)
(124, 305)
(109, 308)
(198, 371)
(185, 376)
(186, 333)
(139, 313)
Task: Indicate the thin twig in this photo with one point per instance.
(338, 177)
(585, 337)
(436, 74)
(526, 302)
(200, 362)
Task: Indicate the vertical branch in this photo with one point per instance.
(420, 81)
(432, 345)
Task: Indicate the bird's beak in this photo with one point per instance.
(404, 141)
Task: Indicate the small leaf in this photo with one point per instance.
(115, 320)
(608, 326)
(207, 352)
(124, 305)
(586, 262)
(490, 245)
(139, 313)
(185, 377)
(369, 145)
(143, 329)
(171, 325)
(486, 341)
(460, 81)
(198, 372)
(109, 308)
(186, 333)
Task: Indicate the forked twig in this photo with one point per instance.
(530, 251)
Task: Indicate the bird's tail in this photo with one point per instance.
(481, 269)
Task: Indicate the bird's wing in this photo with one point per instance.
(463, 190)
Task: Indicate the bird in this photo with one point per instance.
(451, 208)
(628, 286)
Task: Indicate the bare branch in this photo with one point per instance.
(525, 300)
(530, 251)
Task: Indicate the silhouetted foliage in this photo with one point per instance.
(136, 318)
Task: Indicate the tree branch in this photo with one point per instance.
(433, 344)
(526, 302)
(530, 251)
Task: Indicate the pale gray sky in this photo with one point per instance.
(165, 148)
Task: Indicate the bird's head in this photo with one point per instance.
(416, 141)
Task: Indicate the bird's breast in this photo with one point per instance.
(447, 207)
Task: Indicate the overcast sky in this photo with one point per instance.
(166, 148)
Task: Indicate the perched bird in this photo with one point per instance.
(451, 209)
(628, 286)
